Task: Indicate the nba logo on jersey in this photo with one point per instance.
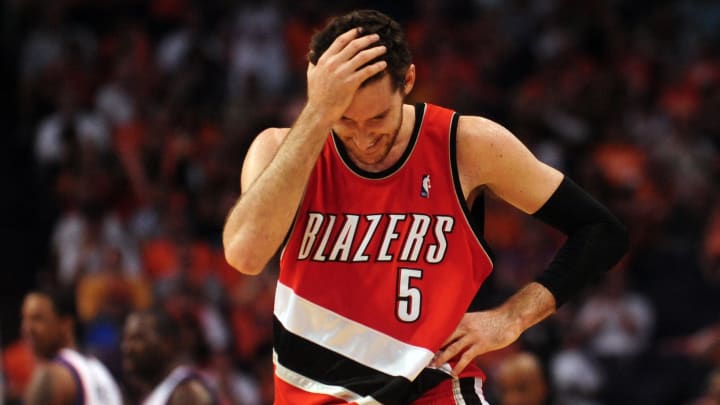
(425, 186)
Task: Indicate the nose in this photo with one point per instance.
(126, 346)
(365, 140)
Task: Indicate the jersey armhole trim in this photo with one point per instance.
(80, 400)
(476, 228)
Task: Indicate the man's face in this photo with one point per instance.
(521, 387)
(714, 386)
(370, 126)
(42, 327)
(142, 348)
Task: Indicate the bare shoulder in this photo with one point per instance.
(482, 135)
(52, 383)
(269, 140)
(480, 142)
(488, 154)
(191, 392)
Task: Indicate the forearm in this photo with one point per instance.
(486, 331)
(527, 307)
(51, 385)
(596, 241)
(259, 221)
(262, 216)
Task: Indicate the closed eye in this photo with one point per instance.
(376, 118)
(381, 115)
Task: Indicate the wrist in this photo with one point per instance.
(512, 321)
(527, 307)
(318, 116)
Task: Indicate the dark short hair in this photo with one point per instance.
(397, 56)
(62, 300)
(164, 323)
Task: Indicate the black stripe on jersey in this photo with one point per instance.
(328, 367)
(467, 391)
(427, 380)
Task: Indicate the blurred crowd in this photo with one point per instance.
(135, 116)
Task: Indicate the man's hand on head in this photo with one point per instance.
(340, 72)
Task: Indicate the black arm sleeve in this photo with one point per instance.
(596, 240)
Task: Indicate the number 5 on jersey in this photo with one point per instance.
(409, 298)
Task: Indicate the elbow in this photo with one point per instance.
(241, 259)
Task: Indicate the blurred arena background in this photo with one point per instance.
(125, 124)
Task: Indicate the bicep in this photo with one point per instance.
(490, 155)
(51, 385)
(191, 392)
(260, 154)
(39, 389)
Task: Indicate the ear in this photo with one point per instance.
(409, 80)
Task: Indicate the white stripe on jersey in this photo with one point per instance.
(351, 339)
(98, 385)
(316, 387)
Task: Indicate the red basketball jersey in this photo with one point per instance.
(378, 270)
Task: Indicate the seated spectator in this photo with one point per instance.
(616, 322)
(574, 376)
(520, 381)
(80, 238)
(616, 325)
(104, 300)
(111, 292)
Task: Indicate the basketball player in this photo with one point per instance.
(64, 376)
(153, 360)
(381, 260)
